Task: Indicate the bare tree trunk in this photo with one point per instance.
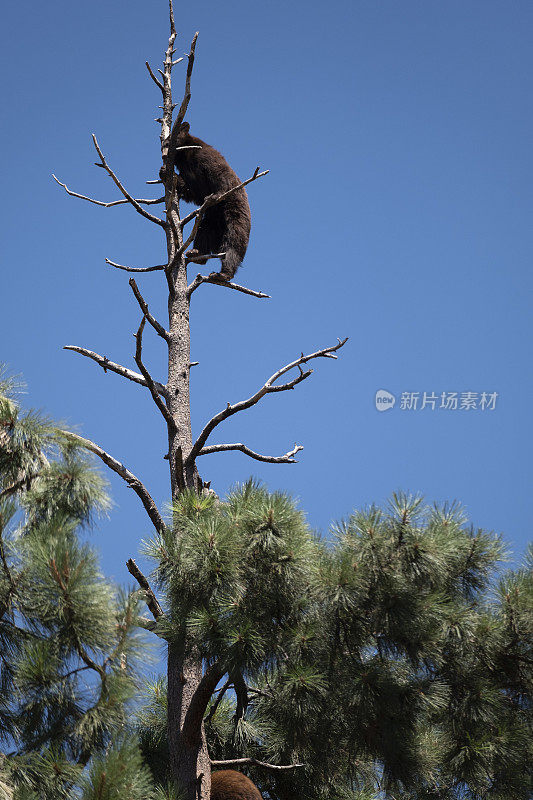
(189, 757)
(179, 437)
(190, 687)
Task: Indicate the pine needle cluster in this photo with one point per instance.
(384, 658)
(68, 638)
(391, 659)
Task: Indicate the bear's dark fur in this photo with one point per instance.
(227, 784)
(225, 227)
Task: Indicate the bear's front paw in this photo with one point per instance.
(194, 255)
(218, 276)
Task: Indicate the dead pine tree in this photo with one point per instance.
(190, 685)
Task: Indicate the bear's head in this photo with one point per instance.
(183, 134)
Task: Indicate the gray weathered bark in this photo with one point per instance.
(190, 687)
(189, 756)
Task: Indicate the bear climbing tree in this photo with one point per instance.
(191, 684)
(225, 227)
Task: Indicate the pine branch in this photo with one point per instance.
(14, 487)
(83, 654)
(151, 600)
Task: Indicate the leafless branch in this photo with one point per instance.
(160, 330)
(213, 279)
(106, 364)
(133, 482)
(213, 199)
(119, 185)
(166, 122)
(252, 762)
(148, 378)
(193, 258)
(153, 77)
(168, 146)
(213, 710)
(241, 694)
(172, 23)
(268, 387)
(288, 458)
(187, 94)
(191, 730)
(151, 600)
(136, 269)
(146, 202)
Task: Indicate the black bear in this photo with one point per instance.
(227, 784)
(225, 226)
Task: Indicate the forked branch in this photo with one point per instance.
(213, 199)
(183, 107)
(145, 202)
(133, 482)
(124, 191)
(267, 388)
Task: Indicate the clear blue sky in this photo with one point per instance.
(397, 212)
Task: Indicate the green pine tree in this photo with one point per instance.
(68, 639)
(381, 663)
(383, 660)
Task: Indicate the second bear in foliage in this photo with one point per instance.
(227, 784)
